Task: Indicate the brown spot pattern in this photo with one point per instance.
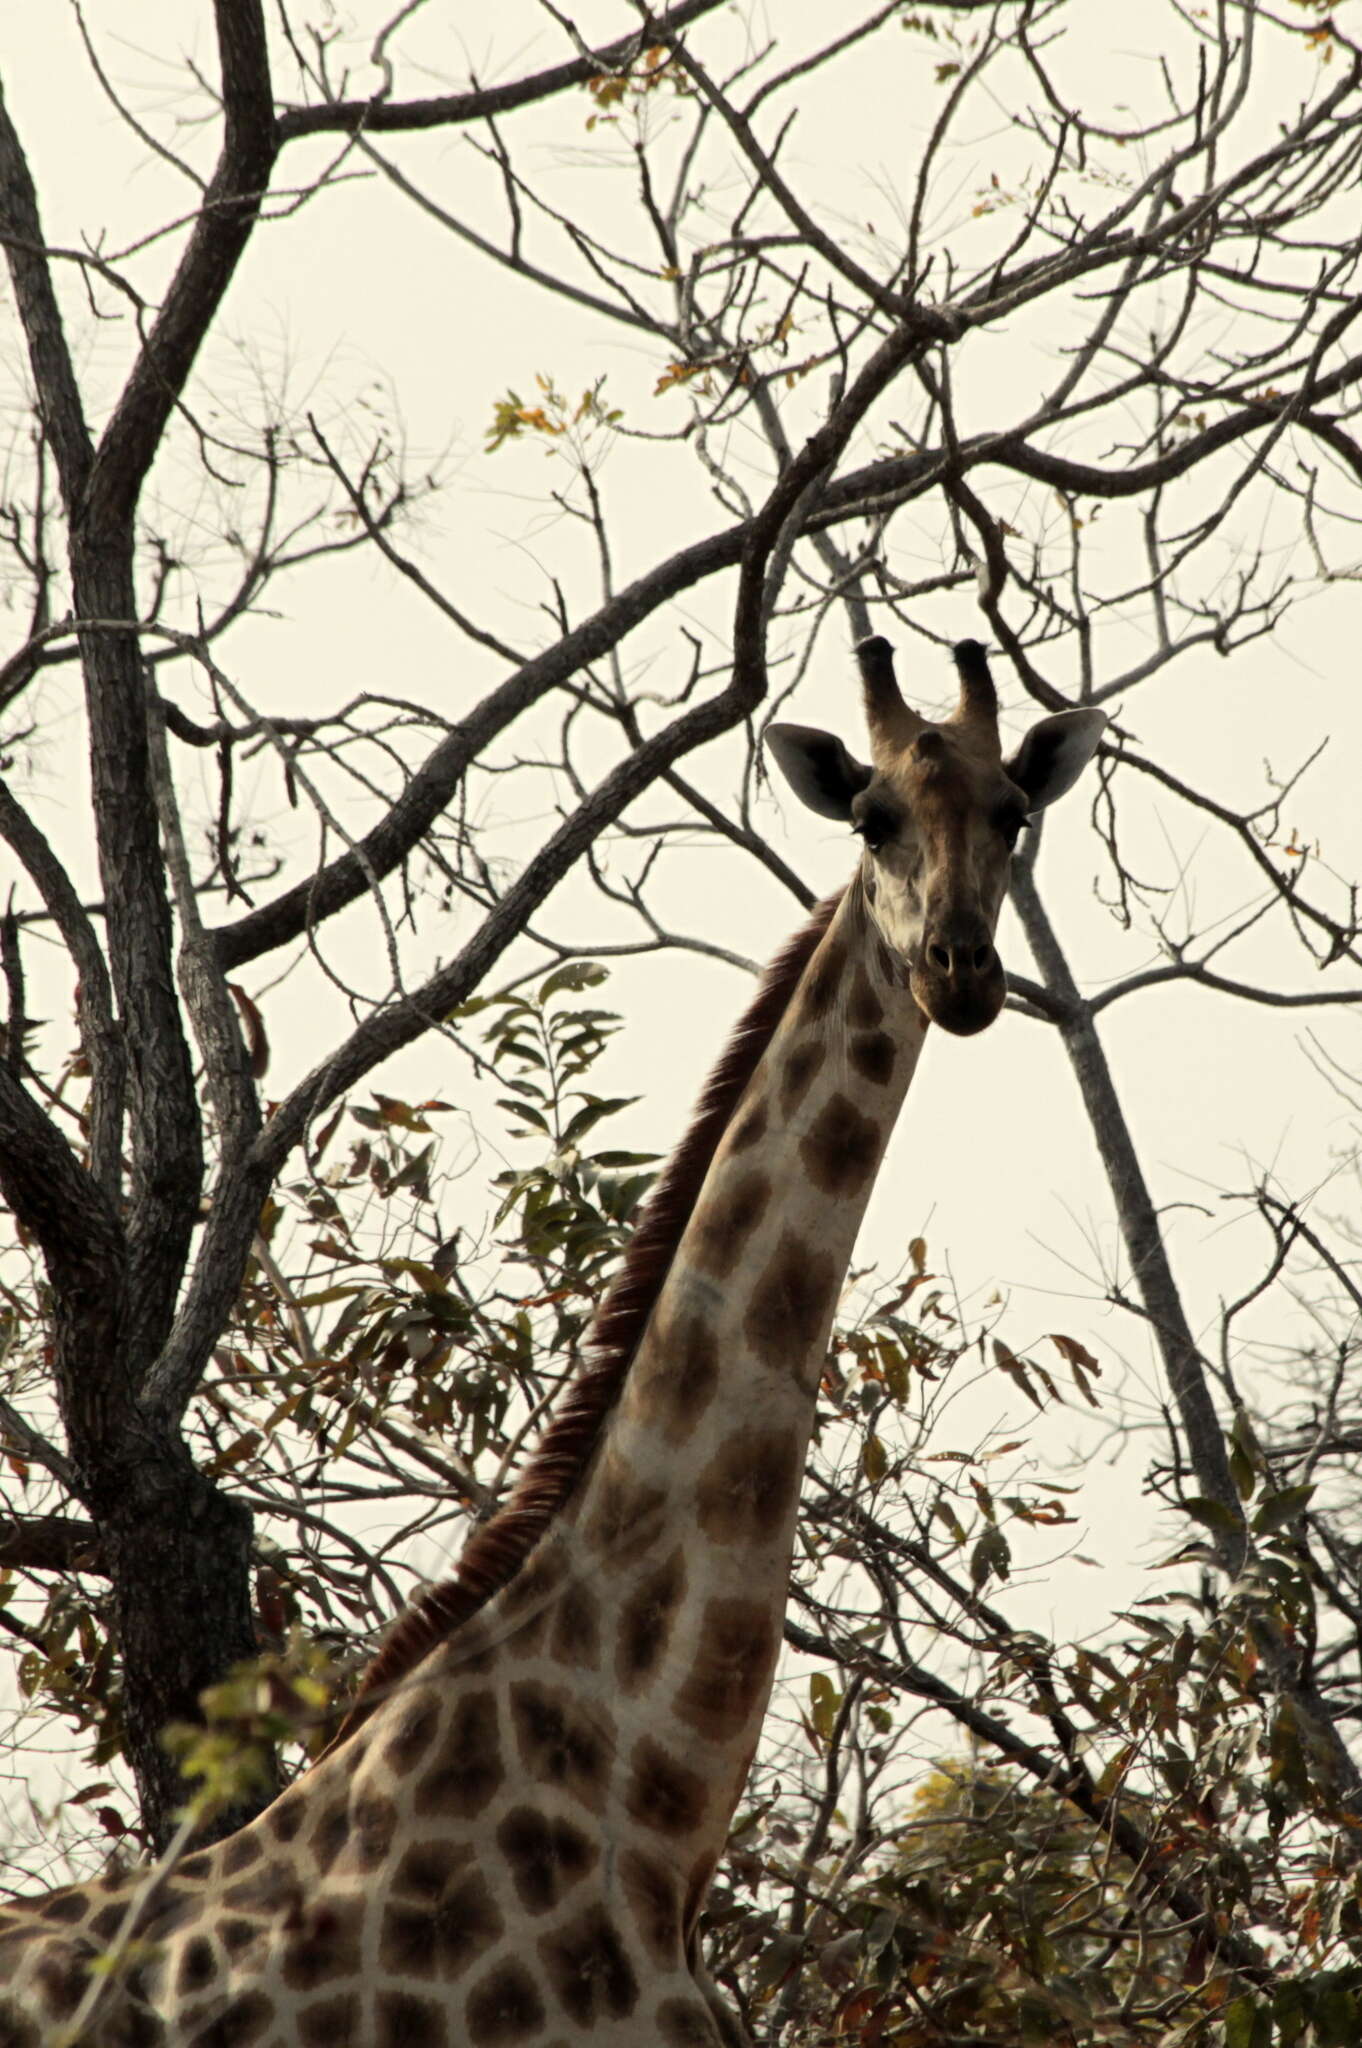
(545, 1857)
(842, 1150)
(749, 1486)
(793, 1294)
(560, 1743)
(428, 1868)
(328, 1936)
(327, 2024)
(442, 1935)
(240, 1852)
(198, 1966)
(682, 1375)
(865, 1010)
(470, 1770)
(873, 1054)
(504, 2009)
(799, 1069)
(407, 2022)
(329, 1836)
(413, 1735)
(662, 1794)
(373, 1825)
(622, 1510)
(575, 1637)
(246, 2021)
(650, 1893)
(733, 1665)
(748, 1126)
(646, 1621)
(727, 1219)
(818, 989)
(589, 1969)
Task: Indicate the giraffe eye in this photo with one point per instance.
(1010, 824)
(876, 824)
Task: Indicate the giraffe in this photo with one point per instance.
(509, 1843)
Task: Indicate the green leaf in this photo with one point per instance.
(574, 976)
(1280, 1508)
(1212, 1514)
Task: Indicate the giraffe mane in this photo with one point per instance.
(495, 1552)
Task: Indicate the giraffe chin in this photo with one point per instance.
(961, 1011)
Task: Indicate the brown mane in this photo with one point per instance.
(495, 1552)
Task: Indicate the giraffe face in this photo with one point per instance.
(938, 825)
(939, 814)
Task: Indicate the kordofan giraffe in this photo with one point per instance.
(510, 1843)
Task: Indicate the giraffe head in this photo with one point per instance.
(938, 813)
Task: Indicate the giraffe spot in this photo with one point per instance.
(286, 1816)
(727, 1683)
(864, 1010)
(427, 1868)
(271, 1890)
(545, 1857)
(407, 2022)
(65, 1907)
(842, 1150)
(576, 1634)
(334, 2020)
(328, 1935)
(560, 1742)
(504, 2008)
(685, 2023)
(873, 1054)
(788, 1304)
(682, 1375)
(442, 1935)
(726, 1221)
(622, 1510)
(239, 1852)
(649, 1890)
(747, 1127)
(646, 1621)
(61, 1977)
(662, 1794)
(108, 1920)
(799, 1069)
(541, 1575)
(470, 1770)
(413, 1734)
(244, 2023)
(590, 1970)
(330, 1834)
(20, 2033)
(198, 1966)
(822, 978)
(236, 1935)
(749, 1486)
(373, 1824)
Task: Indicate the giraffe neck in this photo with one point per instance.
(677, 1546)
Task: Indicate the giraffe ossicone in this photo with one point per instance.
(510, 1842)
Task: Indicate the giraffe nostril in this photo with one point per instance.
(982, 956)
(939, 956)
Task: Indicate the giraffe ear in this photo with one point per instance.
(818, 768)
(1054, 754)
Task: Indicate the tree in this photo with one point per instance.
(1087, 379)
